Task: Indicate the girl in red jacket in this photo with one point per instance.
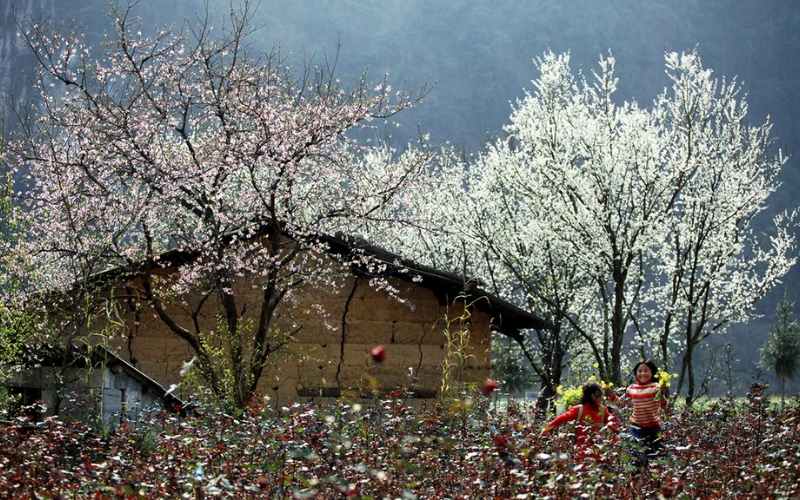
(591, 417)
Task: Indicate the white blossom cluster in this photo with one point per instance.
(629, 228)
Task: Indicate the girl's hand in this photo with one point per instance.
(661, 400)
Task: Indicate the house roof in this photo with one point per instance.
(507, 318)
(82, 355)
(101, 355)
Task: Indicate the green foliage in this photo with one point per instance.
(781, 352)
(17, 328)
(509, 365)
(18, 321)
(457, 344)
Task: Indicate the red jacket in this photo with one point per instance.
(587, 431)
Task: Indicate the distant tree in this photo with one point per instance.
(509, 366)
(781, 352)
(10, 343)
(192, 143)
(20, 320)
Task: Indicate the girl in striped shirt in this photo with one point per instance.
(645, 394)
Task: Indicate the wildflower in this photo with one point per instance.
(569, 396)
(663, 378)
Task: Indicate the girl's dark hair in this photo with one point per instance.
(588, 389)
(650, 364)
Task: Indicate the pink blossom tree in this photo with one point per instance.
(195, 147)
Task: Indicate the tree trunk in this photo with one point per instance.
(546, 398)
(687, 359)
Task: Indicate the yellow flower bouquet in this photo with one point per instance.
(663, 378)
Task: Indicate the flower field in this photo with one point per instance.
(389, 448)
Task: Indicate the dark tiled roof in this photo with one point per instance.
(82, 356)
(508, 318)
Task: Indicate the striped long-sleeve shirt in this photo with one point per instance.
(645, 406)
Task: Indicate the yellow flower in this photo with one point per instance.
(570, 396)
(664, 377)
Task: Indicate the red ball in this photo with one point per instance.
(489, 386)
(378, 353)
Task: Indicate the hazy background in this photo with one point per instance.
(479, 53)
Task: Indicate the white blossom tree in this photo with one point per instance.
(227, 158)
(591, 169)
(554, 217)
(483, 233)
(619, 223)
(712, 267)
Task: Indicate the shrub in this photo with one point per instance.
(383, 448)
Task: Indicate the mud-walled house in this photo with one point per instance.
(329, 355)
